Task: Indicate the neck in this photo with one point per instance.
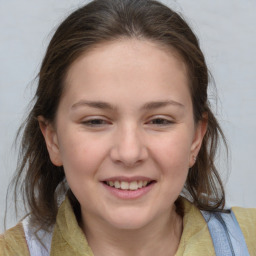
(161, 237)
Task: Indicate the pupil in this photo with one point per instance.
(96, 121)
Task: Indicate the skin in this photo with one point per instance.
(126, 135)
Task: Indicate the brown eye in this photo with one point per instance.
(160, 121)
(95, 122)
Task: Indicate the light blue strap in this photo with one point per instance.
(227, 237)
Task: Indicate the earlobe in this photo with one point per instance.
(51, 140)
(200, 131)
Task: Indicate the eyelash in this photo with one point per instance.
(98, 122)
(160, 121)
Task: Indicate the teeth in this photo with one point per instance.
(140, 184)
(133, 185)
(117, 184)
(124, 185)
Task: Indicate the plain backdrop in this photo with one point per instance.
(227, 33)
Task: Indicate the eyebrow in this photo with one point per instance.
(147, 106)
(161, 104)
(93, 104)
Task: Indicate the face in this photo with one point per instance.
(124, 132)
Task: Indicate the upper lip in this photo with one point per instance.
(128, 179)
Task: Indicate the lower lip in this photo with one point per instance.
(129, 194)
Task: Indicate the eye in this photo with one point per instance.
(95, 122)
(159, 121)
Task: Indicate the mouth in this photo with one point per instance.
(129, 185)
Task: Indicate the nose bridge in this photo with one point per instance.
(129, 147)
(129, 137)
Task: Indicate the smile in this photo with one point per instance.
(128, 188)
(124, 185)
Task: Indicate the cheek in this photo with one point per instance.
(173, 152)
(81, 155)
(172, 159)
(82, 160)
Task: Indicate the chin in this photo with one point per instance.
(129, 220)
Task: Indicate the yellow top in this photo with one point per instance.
(69, 239)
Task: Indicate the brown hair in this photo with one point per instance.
(98, 22)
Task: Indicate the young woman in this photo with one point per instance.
(118, 149)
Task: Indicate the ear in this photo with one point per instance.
(51, 140)
(200, 131)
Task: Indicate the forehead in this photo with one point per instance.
(125, 66)
(125, 50)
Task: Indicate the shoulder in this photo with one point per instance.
(195, 239)
(246, 218)
(13, 242)
(244, 213)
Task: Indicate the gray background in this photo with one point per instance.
(227, 34)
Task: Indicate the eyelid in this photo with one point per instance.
(88, 121)
(167, 119)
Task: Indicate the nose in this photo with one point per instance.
(128, 148)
